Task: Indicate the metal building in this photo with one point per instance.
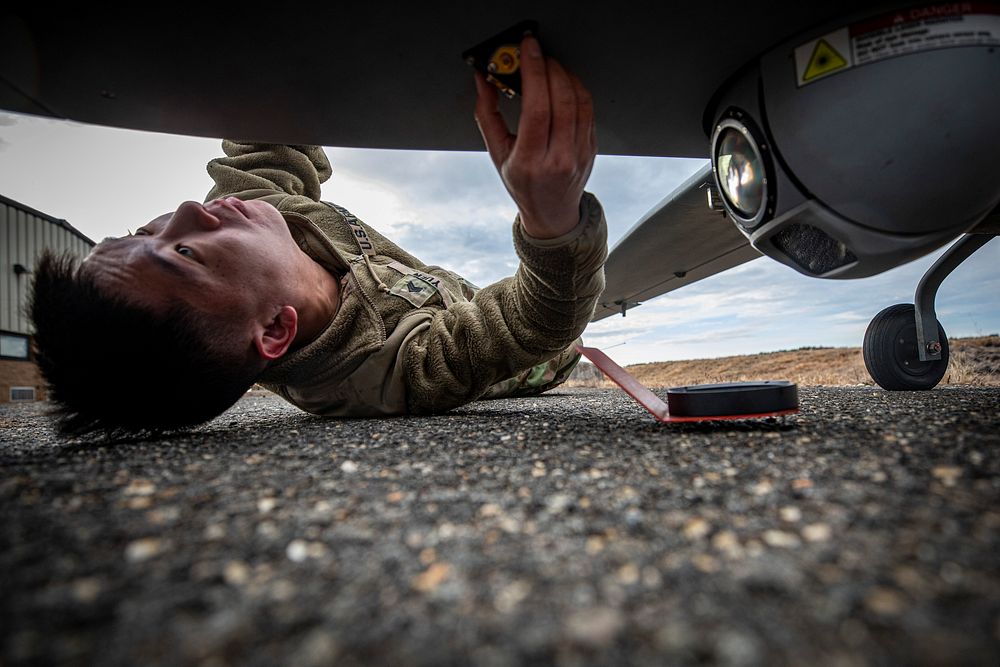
(24, 233)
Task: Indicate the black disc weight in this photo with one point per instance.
(732, 399)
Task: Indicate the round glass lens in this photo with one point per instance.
(740, 172)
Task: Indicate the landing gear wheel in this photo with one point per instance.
(890, 351)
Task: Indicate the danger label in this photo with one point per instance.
(897, 34)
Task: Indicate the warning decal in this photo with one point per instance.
(824, 60)
(897, 34)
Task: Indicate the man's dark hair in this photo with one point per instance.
(116, 368)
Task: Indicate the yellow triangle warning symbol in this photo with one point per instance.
(824, 59)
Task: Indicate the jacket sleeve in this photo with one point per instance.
(513, 324)
(256, 170)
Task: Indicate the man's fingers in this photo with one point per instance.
(533, 128)
(544, 166)
(491, 123)
(586, 132)
(562, 95)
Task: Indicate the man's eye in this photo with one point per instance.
(141, 232)
(186, 251)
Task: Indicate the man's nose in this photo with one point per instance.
(192, 216)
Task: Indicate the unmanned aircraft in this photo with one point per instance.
(845, 138)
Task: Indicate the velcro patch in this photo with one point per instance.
(414, 290)
(432, 280)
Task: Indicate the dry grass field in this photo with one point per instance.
(974, 361)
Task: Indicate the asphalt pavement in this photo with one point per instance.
(569, 529)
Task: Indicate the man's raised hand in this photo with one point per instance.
(545, 166)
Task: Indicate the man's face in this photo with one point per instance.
(224, 257)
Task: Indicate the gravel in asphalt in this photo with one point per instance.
(569, 529)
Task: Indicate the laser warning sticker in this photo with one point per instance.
(824, 56)
(899, 33)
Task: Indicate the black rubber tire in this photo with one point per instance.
(890, 351)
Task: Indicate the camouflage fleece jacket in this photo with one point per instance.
(412, 338)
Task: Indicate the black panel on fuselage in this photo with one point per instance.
(385, 76)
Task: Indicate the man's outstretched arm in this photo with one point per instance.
(560, 236)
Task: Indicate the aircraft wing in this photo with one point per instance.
(680, 241)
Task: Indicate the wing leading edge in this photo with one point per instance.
(680, 241)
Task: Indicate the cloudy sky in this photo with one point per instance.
(451, 209)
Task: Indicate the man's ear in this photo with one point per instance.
(275, 337)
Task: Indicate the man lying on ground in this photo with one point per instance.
(169, 326)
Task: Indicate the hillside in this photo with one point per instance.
(974, 361)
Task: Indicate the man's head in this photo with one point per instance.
(171, 325)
